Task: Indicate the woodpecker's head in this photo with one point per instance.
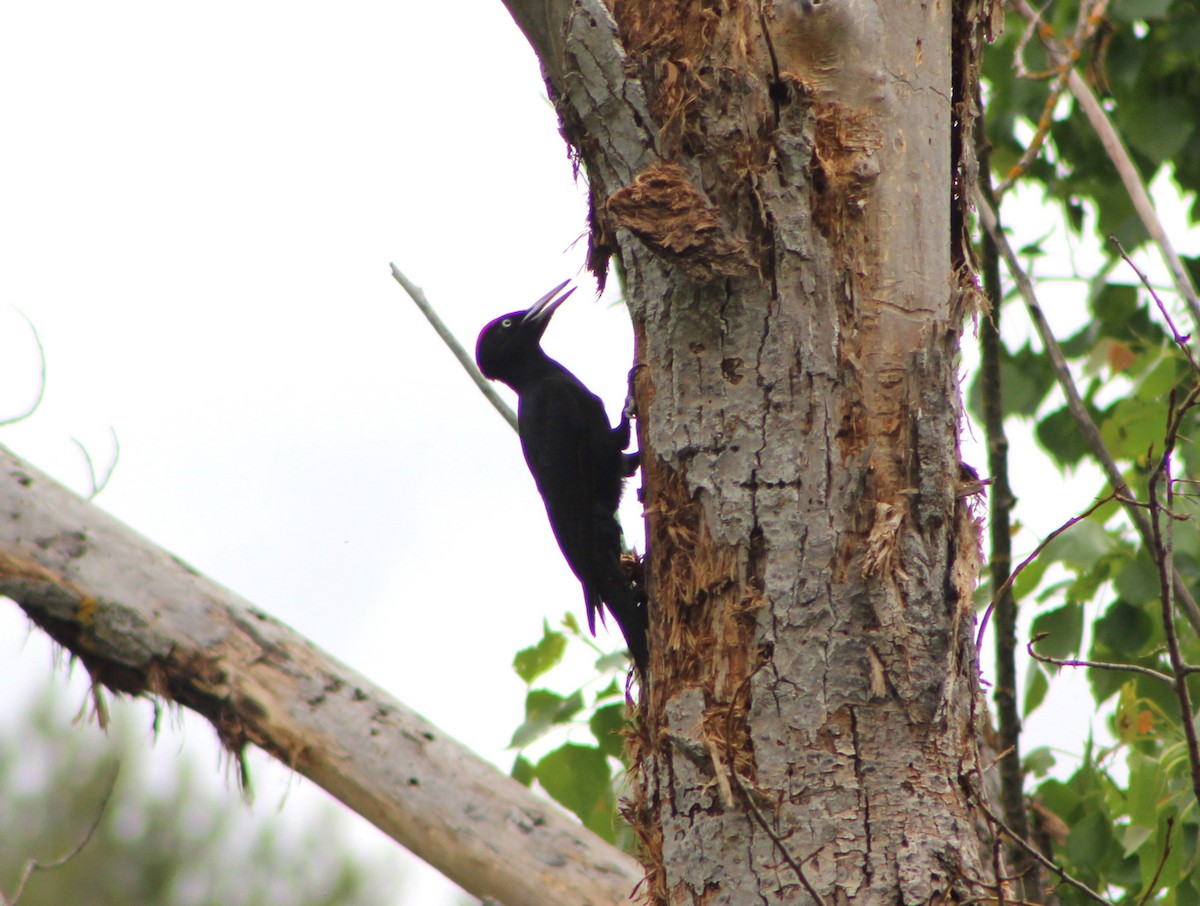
(513, 341)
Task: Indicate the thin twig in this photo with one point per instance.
(464, 358)
(1088, 18)
(1075, 404)
(41, 376)
(1164, 548)
(983, 621)
(1150, 888)
(795, 865)
(33, 865)
(1036, 855)
(1183, 341)
(1098, 665)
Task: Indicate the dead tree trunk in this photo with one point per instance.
(780, 185)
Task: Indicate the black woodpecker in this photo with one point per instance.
(576, 458)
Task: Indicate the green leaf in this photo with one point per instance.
(1061, 798)
(1064, 626)
(1135, 10)
(1137, 582)
(1029, 578)
(1104, 684)
(1159, 128)
(1186, 894)
(578, 778)
(1059, 435)
(1028, 377)
(1159, 380)
(1133, 836)
(1124, 628)
(1147, 787)
(606, 725)
(1178, 863)
(1129, 707)
(1084, 586)
(1036, 687)
(571, 705)
(612, 690)
(1134, 427)
(614, 660)
(532, 662)
(1025, 379)
(523, 770)
(1081, 545)
(1116, 308)
(1090, 840)
(1082, 343)
(543, 710)
(1039, 761)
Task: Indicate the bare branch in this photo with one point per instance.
(1164, 551)
(1098, 665)
(1036, 855)
(464, 357)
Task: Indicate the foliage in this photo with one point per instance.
(583, 777)
(1125, 821)
(170, 840)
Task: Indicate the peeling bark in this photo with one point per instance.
(781, 185)
(145, 623)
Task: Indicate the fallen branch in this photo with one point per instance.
(145, 623)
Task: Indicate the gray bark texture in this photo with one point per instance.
(782, 188)
(145, 623)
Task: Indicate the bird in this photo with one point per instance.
(577, 458)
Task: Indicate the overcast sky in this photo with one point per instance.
(198, 205)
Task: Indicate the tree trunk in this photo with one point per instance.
(781, 187)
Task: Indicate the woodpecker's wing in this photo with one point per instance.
(565, 437)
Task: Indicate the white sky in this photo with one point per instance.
(198, 205)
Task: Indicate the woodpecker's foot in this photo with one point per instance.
(630, 410)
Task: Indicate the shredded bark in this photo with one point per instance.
(844, 168)
(706, 597)
(663, 209)
(679, 50)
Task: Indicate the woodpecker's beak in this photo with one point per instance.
(543, 308)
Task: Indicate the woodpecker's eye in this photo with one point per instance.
(507, 322)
